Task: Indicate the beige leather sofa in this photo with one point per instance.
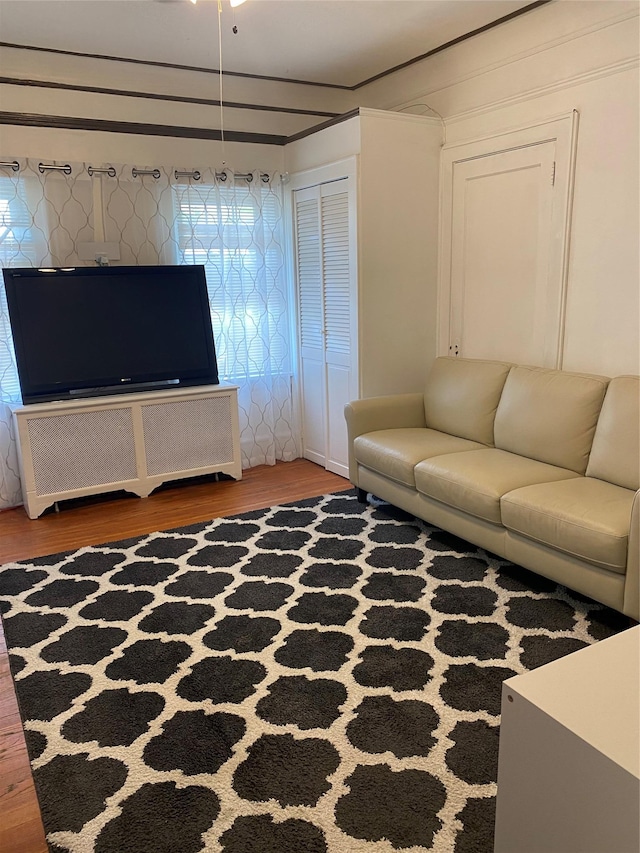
(539, 466)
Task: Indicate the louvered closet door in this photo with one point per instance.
(325, 238)
(311, 323)
(340, 309)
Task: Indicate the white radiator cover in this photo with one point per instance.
(131, 441)
(177, 435)
(81, 449)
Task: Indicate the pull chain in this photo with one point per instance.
(224, 160)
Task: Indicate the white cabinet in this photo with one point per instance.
(133, 442)
(365, 257)
(569, 765)
(506, 204)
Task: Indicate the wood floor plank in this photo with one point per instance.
(8, 704)
(105, 519)
(21, 828)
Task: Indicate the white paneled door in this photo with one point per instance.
(327, 309)
(505, 249)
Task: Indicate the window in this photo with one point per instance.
(237, 234)
(18, 248)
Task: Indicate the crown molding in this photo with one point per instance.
(540, 48)
(541, 91)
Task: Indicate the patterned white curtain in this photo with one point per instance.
(234, 225)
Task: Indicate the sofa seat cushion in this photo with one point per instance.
(396, 452)
(475, 482)
(584, 517)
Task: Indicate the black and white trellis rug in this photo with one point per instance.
(320, 677)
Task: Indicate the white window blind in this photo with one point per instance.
(237, 235)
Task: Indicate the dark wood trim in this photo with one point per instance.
(75, 123)
(353, 88)
(451, 43)
(128, 93)
(174, 65)
(316, 127)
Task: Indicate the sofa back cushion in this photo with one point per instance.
(462, 396)
(549, 415)
(615, 454)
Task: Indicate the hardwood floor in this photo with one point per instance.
(104, 520)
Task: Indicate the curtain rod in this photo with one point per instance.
(194, 174)
(222, 176)
(93, 170)
(52, 167)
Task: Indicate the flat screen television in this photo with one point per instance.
(94, 331)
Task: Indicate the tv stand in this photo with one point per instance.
(133, 442)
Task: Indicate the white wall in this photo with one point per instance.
(99, 148)
(560, 57)
(113, 76)
(397, 222)
(326, 146)
(569, 54)
(398, 249)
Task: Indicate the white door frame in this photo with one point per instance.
(563, 130)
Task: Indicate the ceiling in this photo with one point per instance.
(338, 42)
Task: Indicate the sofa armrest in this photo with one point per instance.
(393, 411)
(631, 604)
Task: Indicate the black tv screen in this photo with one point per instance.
(92, 331)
